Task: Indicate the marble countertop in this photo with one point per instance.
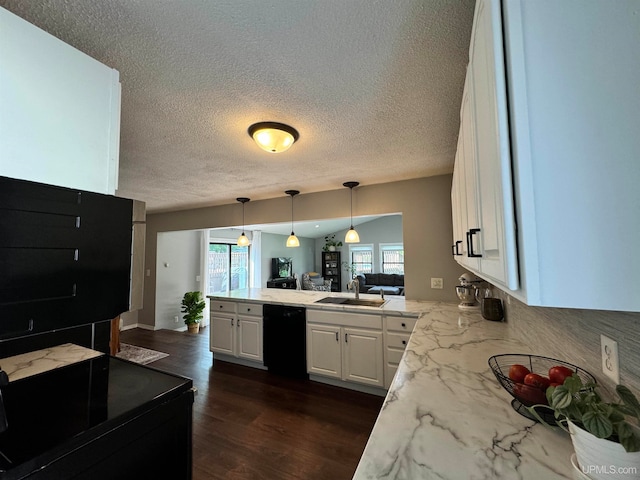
(395, 305)
(446, 417)
(40, 361)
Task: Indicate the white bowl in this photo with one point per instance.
(578, 474)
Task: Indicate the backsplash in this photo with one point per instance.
(574, 336)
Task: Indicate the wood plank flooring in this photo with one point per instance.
(250, 424)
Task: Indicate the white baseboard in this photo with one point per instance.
(138, 325)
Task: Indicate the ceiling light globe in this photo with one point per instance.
(273, 137)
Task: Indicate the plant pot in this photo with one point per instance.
(602, 459)
(193, 327)
(332, 248)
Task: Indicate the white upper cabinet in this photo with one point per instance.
(571, 72)
(482, 176)
(59, 111)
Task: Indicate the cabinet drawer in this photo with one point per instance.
(225, 307)
(394, 356)
(397, 340)
(389, 374)
(401, 324)
(250, 309)
(358, 320)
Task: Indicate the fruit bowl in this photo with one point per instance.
(524, 395)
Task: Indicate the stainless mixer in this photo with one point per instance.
(467, 290)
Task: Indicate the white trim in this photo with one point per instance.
(379, 391)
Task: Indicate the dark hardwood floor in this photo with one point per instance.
(250, 424)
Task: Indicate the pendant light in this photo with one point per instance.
(351, 236)
(243, 241)
(292, 241)
(273, 137)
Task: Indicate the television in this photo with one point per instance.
(281, 267)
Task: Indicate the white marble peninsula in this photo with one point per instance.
(445, 416)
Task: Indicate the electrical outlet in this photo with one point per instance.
(610, 365)
(436, 283)
(175, 319)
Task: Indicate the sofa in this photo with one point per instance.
(388, 283)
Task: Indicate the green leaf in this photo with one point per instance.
(629, 437)
(597, 423)
(561, 397)
(549, 394)
(629, 399)
(573, 384)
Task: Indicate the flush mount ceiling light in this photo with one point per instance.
(351, 236)
(273, 137)
(243, 241)
(292, 241)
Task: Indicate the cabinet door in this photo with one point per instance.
(495, 240)
(323, 350)
(250, 338)
(223, 334)
(363, 361)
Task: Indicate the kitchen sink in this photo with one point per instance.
(352, 301)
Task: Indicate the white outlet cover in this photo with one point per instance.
(610, 361)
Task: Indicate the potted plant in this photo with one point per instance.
(350, 268)
(192, 307)
(605, 435)
(330, 243)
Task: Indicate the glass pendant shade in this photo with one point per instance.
(292, 241)
(243, 240)
(273, 137)
(351, 236)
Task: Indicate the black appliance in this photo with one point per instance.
(284, 338)
(98, 419)
(65, 257)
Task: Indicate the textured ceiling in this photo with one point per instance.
(373, 87)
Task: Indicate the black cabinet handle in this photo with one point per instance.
(337, 339)
(404, 342)
(470, 234)
(345, 338)
(232, 322)
(454, 248)
(404, 325)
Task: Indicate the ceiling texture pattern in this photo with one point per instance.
(373, 86)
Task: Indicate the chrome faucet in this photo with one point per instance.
(382, 294)
(355, 284)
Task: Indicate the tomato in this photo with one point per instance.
(558, 373)
(529, 395)
(535, 380)
(554, 384)
(518, 372)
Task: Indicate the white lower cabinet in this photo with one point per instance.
(236, 330)
(346, 347)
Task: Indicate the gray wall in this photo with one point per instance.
(425, 205)
(274, 246)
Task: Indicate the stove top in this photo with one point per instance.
(47, 411)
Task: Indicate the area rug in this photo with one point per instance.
(139, 355)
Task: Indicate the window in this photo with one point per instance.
(228, 267)
(392, 256)
(362, 258)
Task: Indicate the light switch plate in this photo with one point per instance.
(436, 283)
(610, 365)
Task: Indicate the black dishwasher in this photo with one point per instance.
(285, 340)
